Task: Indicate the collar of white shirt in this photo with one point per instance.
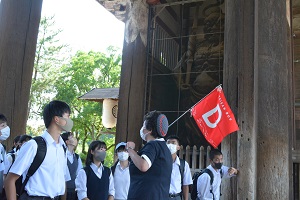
(177, 161)
(49, 139)
(96, 168)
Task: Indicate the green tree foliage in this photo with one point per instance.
(50, 55)
(57, 75)
(85, 72)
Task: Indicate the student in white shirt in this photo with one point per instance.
(74, 163)
(11, 157)
(4, 134)
(179, 188)
(206, 190)
(49, 181)
(95, 181)
(15, 144)
(121, 172)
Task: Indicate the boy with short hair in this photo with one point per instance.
(49, 181)
(179, 188)
(206, 189)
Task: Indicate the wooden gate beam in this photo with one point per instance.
(19, 24)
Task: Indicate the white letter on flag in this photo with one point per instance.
(210, 113)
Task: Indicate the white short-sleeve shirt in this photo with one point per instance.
(175, 186)
(2, 157)
(50, 178)
(204, 187)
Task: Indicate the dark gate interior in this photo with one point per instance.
(185, 60)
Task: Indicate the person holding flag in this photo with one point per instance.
(151, 167)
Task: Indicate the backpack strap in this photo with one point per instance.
(181, 169)
(13, 157)
(37, 160)
(77, 156)
(211, 175)
(65, 148)
(108, 170)
(113, 168)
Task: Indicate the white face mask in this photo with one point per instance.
(5, 133)
(172, 148)
(123, 156)
(143, 136)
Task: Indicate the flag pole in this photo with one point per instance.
(192, 106)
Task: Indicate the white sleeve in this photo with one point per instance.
(67, 173)
(225, 173)
(187, 176)
(3, 158)
(203, 187)
(147, 160)
(80, 183)
(7, 163)
(24, 158)
(79, 165)
(111, 189)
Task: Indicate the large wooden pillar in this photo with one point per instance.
(133, 74)
(132, 92)
(257, 84)
(19, 23)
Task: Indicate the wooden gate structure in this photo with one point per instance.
(19, 24)
(250, 46)
(245, 45)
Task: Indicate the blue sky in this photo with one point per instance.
(86, 24)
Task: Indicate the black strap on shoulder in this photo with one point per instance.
(37, 160)
(13, 156)
(181, 169)
(77, 156)
(113, 168)
(65, 148)
(108, 170)
(211, 175)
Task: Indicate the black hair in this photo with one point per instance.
(174, 137)
(24, 138)
(54, 108)
(2, 118)
(65, 136)
(120, 148)
(151, 122)
(94, 145)
(213, 153)
(17, 138)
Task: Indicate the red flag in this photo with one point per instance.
(214, 117)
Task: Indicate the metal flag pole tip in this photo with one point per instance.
(219, 86)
